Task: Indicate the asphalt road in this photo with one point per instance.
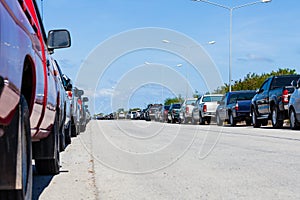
(149, 160)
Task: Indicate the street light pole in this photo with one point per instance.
(230, 27)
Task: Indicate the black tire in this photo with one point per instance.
(73, 128)
(255, 122)
(248, 122)
(50, 166)
(82, 128)
(232, 120)
(218, 120)
(62, 138)
(276, 122)
(208, 120)
(294, 124)
(9, 165)
(193, 121)
(68, 134)
(201, 120)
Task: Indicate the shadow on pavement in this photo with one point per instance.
(40, 183)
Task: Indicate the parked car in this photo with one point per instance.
(150, 111)
(271, 101)
(76, 112)
(235, 107)
(121, 115)
(64, 107)
(158, 113)
(163, 117)
(174, 112)
(294, 107)
(186, 110)
(205, 108)
(29, 99)
(133, 115)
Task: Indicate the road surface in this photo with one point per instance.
(125, 159)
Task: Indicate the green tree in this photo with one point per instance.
(252, 81)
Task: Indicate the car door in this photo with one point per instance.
(262, 98)
(221, 109)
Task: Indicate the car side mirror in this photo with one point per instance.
(78, 93)
(85, 99)
(58, 39)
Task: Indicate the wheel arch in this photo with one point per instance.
(28, 82)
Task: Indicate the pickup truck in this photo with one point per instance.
(271, 101)
(205, 108)
(235, 107)
(29, 111)
(186, 110)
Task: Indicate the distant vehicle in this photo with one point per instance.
(205, 108)
(150, 111)
(294, 107)
(133, 115)
(173, 113)
(272, 99)
(186, 110)
(235, 107)
(121, 115)
(164, 113)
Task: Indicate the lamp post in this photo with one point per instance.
(180, 65)
(230, 27)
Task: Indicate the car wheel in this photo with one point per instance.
(231, 120)
(219, 121)
(16, 148)
(208, 120)
(193, 121)
(293, 120)
(255, 122)
(248, 122)
(276, 122)
(50, 165)
(201, 119)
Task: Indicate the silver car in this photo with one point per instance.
(294, 107)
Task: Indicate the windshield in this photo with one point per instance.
(212, 98)
(284, 81)
(190, 102)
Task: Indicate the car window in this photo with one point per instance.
(190, 102)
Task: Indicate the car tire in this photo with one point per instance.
(232, 120)
(218, 119)
(11, 157)
(276, 122)
(294, 124)
(255, 122)
(50, 166)
(208, 120)
(201, 120)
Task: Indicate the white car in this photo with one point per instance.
(186, 110)
(294, 107)
(121, 115)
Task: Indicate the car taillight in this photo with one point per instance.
(236, 107)
(285, 96)
(204, 108)
(69, 94)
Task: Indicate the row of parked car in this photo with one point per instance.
(40, 110)
(278, 99)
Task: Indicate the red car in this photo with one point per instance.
(29, 99)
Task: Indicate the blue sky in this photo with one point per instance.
(265, 36)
